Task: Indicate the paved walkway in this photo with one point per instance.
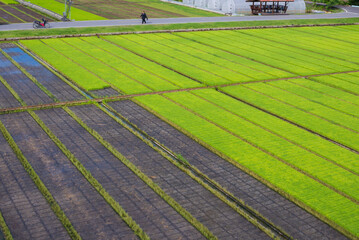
(123, 22)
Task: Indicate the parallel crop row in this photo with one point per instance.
(321, 126)
(106, 73)
(319, 62)
(330, 204)
(184, 66)
(73, 71)
(339, 33)
(339, 81)
(225, 59)
(175, 205)
(324, 113)
(330, 36)
(97, 185)
(285, 130)
(9, 1)
(142, 63)
(139, 75)
(306, 161)
(93, 181)
(308, 42)
(100, 64)
(293, 134)
(40, 185)
(281, 52)
(327, 90)
(287, 65)
(44, 190)
(4, 230)
(207, 62)
(317, 97)
(57, 7)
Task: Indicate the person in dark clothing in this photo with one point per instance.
(144, 17)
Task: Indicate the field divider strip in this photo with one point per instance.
(215, 188)
(174, 30)
(269, 153)
(36, 11)
(176, 206)
(117, 208)
(13, 15)
(12, 91)
(53, 70)
(33, 175)
(32, 78)
(251, 173)
(40, 185)
(4, 228)
(91, 99)
(3, 19)
(305, 111)
(93, 181)
(26, 13)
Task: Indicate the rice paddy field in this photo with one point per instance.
(236, 134)
(13, 12)
(124, 9)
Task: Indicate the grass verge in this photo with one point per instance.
(5, 230)
(5, 35)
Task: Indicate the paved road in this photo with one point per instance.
(123, 22)
(350, 9)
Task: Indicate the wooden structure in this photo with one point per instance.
(260, 7)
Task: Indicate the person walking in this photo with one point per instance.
(144, 17)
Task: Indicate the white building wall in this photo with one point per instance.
(214, 4)
(239, 6)
(201, 3)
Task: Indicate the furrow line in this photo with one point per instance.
(245, 210)
(291, 122)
